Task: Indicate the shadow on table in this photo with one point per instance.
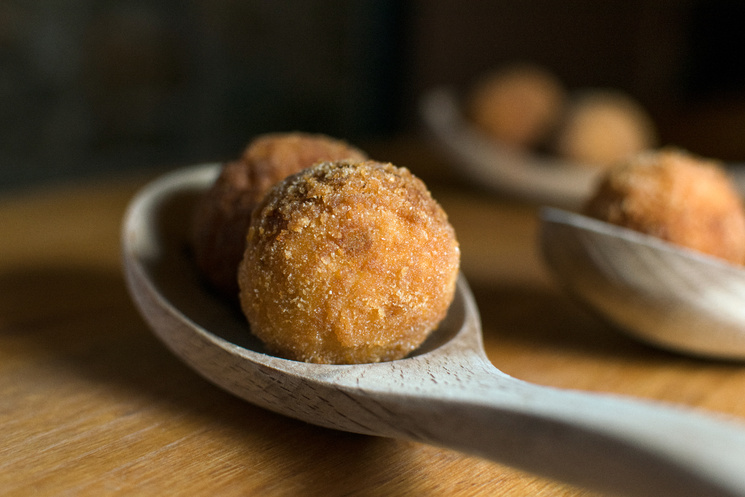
(83, 322)
(544, 319)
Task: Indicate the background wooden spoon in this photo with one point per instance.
(663, 294)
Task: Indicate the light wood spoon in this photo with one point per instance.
(541, 178)
(447, 393)
(666, 295)
(538, 178)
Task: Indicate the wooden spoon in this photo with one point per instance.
(447, 393)
(541, 178)
(664, 294)
(531, 176)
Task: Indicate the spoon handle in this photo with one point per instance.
(601, 441)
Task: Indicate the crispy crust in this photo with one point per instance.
(221, 218)
(677, 197)
(348, 263)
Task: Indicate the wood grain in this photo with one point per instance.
(93, 404)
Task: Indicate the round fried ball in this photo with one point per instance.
(348, 263)
(603, 127)
(517, 106)
(221, 218)
(677, 197)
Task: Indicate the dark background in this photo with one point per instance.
(104, 87)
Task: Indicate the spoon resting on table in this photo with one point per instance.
(664, 294)
(446, 393)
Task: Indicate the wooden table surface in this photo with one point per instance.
(92, 404)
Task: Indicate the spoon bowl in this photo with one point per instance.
(447, 393)
(530, 176)
(666, 295)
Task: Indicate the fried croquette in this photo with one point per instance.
(517, 106)
(222, 216)
(348, 262)
(603, 127)
(677, 197)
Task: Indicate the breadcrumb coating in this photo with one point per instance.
(677, 197)
(348, 262)
(221, 218)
